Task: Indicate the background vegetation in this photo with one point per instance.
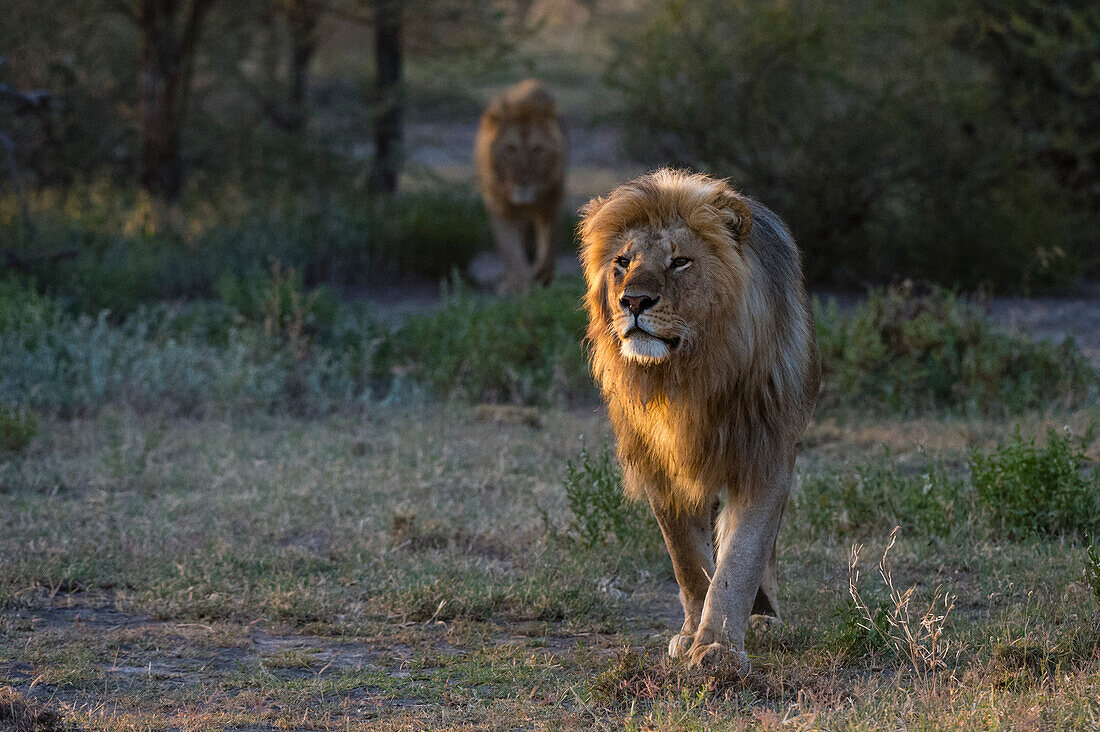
(895, 138)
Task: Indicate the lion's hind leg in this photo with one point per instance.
(765, 608)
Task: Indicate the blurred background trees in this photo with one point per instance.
(956, 142)
(936, 140)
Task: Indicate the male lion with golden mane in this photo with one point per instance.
(702, 341)
(519, 157)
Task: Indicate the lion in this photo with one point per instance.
(701, 338)
(519, 157)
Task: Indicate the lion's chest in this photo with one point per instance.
(675, 438)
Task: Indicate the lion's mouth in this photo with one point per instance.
(672, 343)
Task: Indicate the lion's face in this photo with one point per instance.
(658, 290)
(527, 160)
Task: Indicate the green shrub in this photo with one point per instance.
(1026, 489)
(278, 302)
(593, 487)
(853, 636)
(433, 233)
(900, 351)
(17, 428)
(181, 359)
(875, 496)
(525, 349)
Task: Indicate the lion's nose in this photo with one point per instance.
(638, 304)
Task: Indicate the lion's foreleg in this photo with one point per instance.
(747, 530)
(689, 537)
(545, 254)
(509, 240)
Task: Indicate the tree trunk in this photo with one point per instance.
(388, 100)
(302, 18)
(169, 37)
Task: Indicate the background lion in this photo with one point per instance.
(703, 344)
(519, 157)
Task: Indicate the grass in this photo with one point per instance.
(272, 343)
(416, 567)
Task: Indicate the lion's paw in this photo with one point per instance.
(714, 655)
(764, 623)
(680, 644)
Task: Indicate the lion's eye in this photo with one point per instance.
(622, 262)
(679, 262)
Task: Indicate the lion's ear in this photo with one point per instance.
(736, 208)
(496, 109)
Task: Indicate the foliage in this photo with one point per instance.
(17, 428)
(525, 349)
(859, 635)
(593, 487)
(1017, 489)
(278, 302)
(1042, 54)
(866, 126)
(1026, 489)
(125, 250)
(908, 352)
(432, 233)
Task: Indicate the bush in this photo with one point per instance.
(593, 487)
(1017, 489)
(869, 128)
(17, 428)
(1027, 490)
(278, 302)
(433, 233)
(900, 351)
(525, 349)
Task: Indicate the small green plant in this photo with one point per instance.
(593, 487)
(859, 636)
(280, 303)
(17, 428)
(1092, 568)
(1026, 489)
